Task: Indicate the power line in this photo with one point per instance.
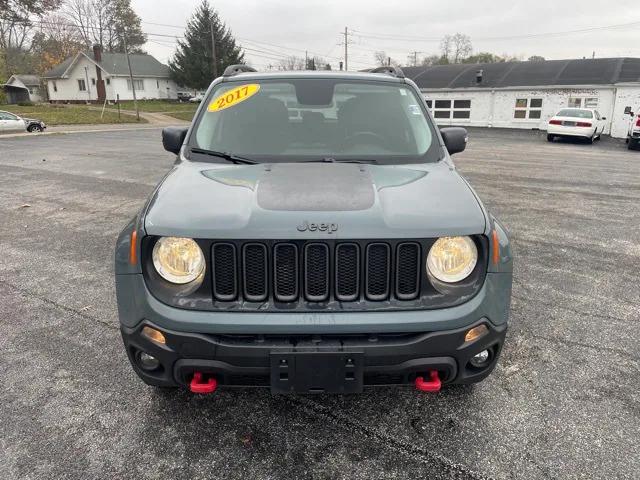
(387, 36)
(175, 38)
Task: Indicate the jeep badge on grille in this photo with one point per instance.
(318, 227)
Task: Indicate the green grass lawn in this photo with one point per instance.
(188, 116)
(159, 106)
(68, 115)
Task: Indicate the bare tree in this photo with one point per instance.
(456, 47)
(17, 18)
(291, 63)
(446, 46)
(381, 58)
(462, 47)
(104, 22)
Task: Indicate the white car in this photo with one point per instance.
(10, 122)
(576, 122)
(197, 99)
(633, 135)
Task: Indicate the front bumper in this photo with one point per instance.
(247, 360)
(237, 348)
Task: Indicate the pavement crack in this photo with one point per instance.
(420, 454)
(75, 311)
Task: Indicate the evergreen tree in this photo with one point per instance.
(192, 64)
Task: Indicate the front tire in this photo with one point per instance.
(34, 128)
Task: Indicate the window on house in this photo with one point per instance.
(528, 108)
(93, 81)
(591, 102)
(55, 86)
(459, 109)
(138, 83)
(81, 85)
(157, 84)
(108, 81)
(574, 102)
(429, 103)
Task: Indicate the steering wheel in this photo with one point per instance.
(363, 137)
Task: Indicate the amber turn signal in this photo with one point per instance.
(476, 332)
(153, 334)
(133, 257)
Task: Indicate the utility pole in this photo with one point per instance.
(306, 60)
(133, 86)
(346, 52)
(415, 58)
(214, 57)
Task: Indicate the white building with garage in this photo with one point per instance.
(92, 76)
(527, 94)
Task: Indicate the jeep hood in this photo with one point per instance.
(203, 200)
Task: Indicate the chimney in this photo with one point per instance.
(97, 56)
(479, 76)
(97, 53)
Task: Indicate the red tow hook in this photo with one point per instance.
(433, 385)
(198, 386)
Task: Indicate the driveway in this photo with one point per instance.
(562, 403)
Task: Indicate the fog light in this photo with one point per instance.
(153, 334)
(476, 332)
(480, 359)
(147, 361)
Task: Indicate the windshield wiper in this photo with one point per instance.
(230, 157)
(340, 160)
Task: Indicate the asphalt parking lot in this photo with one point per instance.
(563, 403)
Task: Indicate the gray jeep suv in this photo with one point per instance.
(313, 236)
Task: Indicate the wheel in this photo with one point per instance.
(550, 138)
(632, 144)
(34, 128)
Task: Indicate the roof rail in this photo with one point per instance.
(389, 70)
(232, 70)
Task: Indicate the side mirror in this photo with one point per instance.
(627, 111)
(455, 139)
(173, 138)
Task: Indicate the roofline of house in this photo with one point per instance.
(109, 75)
(17, 77)
(530, 87)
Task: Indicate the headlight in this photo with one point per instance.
(452, 259)
(178, 260)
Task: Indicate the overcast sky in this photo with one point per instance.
(271, 29)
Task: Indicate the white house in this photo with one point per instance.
(92, 76)
(528, 94)
(23, 88)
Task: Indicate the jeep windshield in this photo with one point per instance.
(314, 119)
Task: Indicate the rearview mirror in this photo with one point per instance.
(455, 139)
(173, 138)
(627, 111)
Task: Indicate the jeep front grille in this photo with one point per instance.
(316, 271)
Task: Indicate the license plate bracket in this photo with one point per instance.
(317, 372)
